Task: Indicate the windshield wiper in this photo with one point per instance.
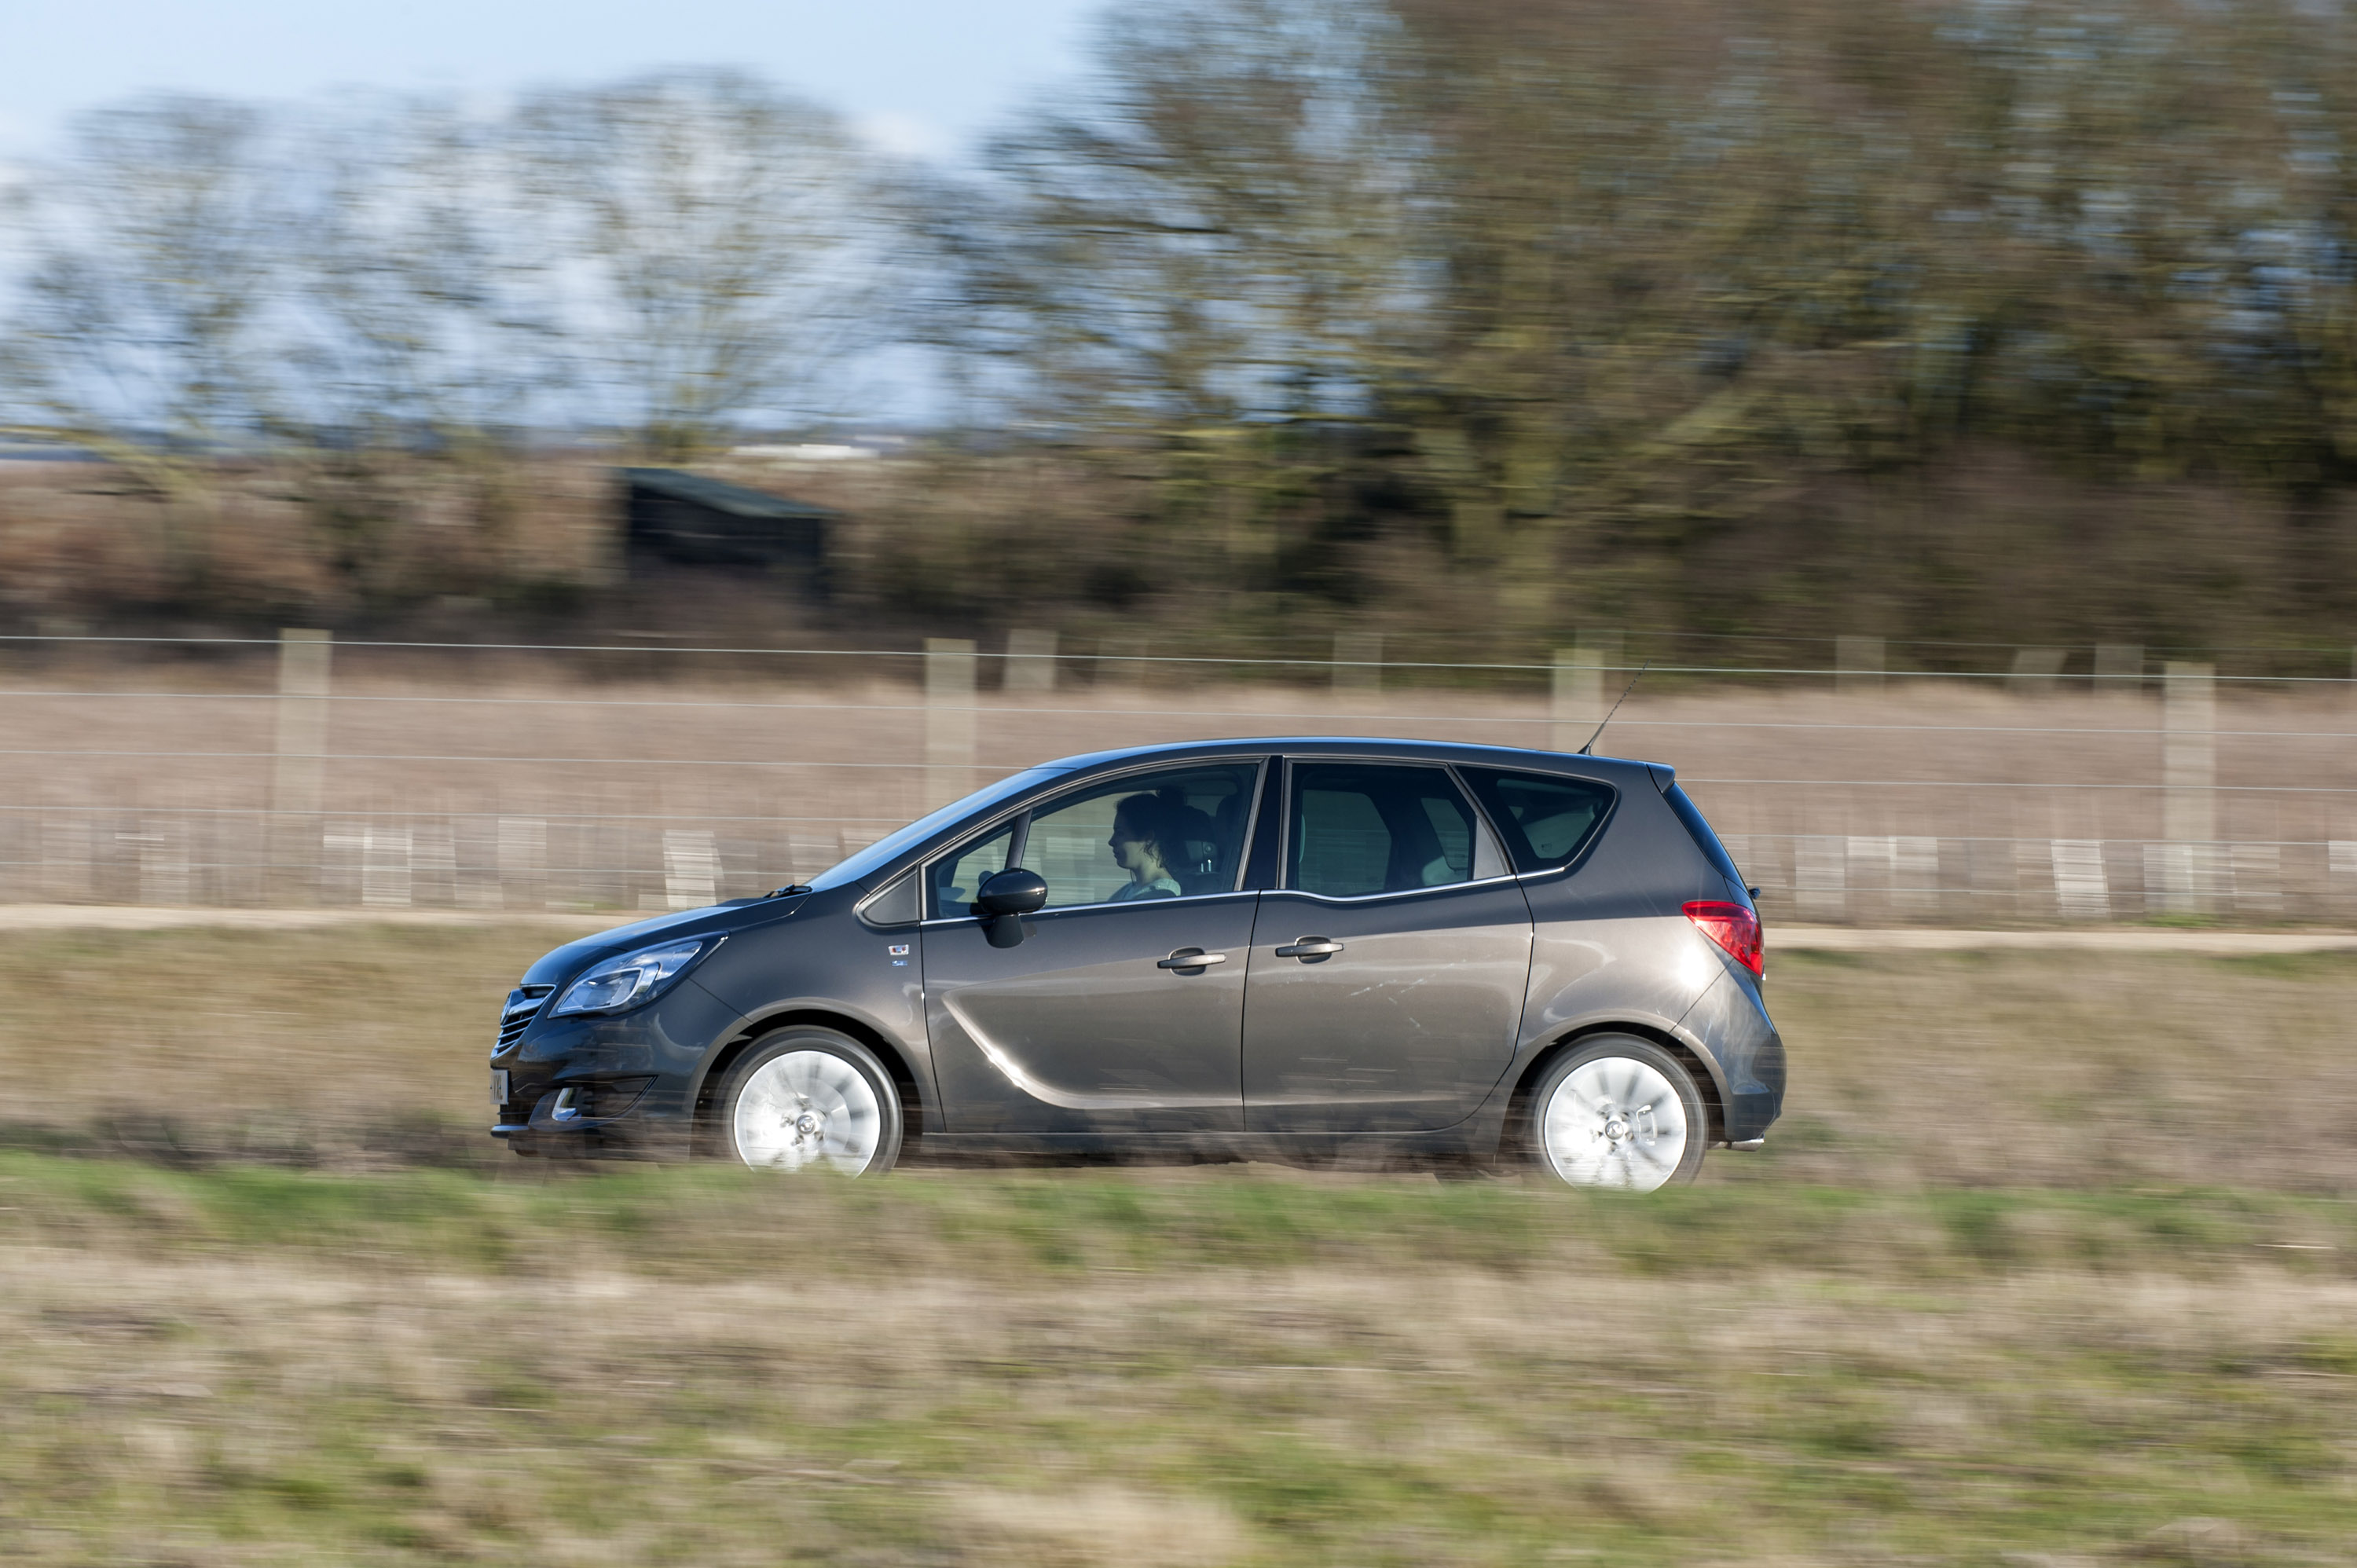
(789, 887)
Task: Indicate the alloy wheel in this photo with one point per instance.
(801, 1108)
(1615, 1121)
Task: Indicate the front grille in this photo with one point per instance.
(523, 1004)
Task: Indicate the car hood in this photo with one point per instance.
(561, 964)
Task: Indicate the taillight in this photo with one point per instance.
(1734, 927)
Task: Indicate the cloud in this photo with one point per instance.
(17, 135)
(904, 135)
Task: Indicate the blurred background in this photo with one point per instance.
(1951, 409)
(471, 474)
(1954, 325)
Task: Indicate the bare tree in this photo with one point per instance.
(433, 294)
(716, 251)
(1221, 228)
(154, 303)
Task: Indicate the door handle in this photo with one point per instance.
(1311, 947)
(1189, 958)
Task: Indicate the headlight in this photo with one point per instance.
(633, 978)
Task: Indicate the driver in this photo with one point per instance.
(1142, 844)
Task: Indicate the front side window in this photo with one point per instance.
(1546, 821)
(1174, 834)
(1357, 829)
(951, 881)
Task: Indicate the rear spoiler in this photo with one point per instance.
(1664, 776)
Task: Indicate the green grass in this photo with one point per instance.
(695, 1220)
(243, 1364)
(2053, 1261)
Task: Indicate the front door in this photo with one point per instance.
(1387, 973)
(1121, 1009)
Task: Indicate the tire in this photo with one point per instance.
(1618, 1112)
(803, 1098)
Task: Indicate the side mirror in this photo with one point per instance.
(1004, 899)
(1011, 892)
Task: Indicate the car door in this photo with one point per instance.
(1121, 1009)
(1388, 968)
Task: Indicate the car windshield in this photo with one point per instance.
(861, 864)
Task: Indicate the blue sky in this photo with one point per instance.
(921, 77)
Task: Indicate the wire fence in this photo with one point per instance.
(303, 770)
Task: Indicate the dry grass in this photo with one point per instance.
(362, 1045)
(2069, 1069)
(350, 1046)
(2001, 1291)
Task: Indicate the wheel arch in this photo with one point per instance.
(1515, 1130)
(724, 1061)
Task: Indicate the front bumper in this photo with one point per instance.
(591, 1118)
(621, 1087)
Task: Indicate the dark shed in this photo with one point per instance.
(699, 521)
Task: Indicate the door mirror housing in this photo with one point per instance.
(1014, 891)
(1001, 901)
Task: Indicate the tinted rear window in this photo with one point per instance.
(1546, 821)
(1359, 829)
(1705, 840)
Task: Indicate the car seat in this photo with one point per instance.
(1198, 869)
(1415, 851)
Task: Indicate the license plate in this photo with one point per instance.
(499, 1086)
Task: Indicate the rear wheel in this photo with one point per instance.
(803, 1098)
(1619, 1111)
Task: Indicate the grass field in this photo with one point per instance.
(2052, 1263)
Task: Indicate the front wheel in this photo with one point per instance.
(1619, 1111)
(808, 1096)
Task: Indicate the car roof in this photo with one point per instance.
(1616, 769)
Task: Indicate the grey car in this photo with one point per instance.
(1385, 951)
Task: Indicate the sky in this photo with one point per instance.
(919, 77)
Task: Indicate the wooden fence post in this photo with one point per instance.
(949, 719)
(2188, 770)
(299, 767)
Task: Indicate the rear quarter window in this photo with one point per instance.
(1546, 821)
(1704, 838)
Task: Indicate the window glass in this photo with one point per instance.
(1362, 828)
(952, 880)
(900, 904)
(868, 861)
(1149, 835)
(1452, 829)
(1545, 821)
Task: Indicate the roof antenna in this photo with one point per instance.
(1623, 697)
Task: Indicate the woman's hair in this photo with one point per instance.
(1151, 819)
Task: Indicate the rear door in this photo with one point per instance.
(1389, 965)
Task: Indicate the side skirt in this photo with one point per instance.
(1347, 1151)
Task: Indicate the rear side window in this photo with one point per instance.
(1545, 821)
(1360, 829)
(1705, 840)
